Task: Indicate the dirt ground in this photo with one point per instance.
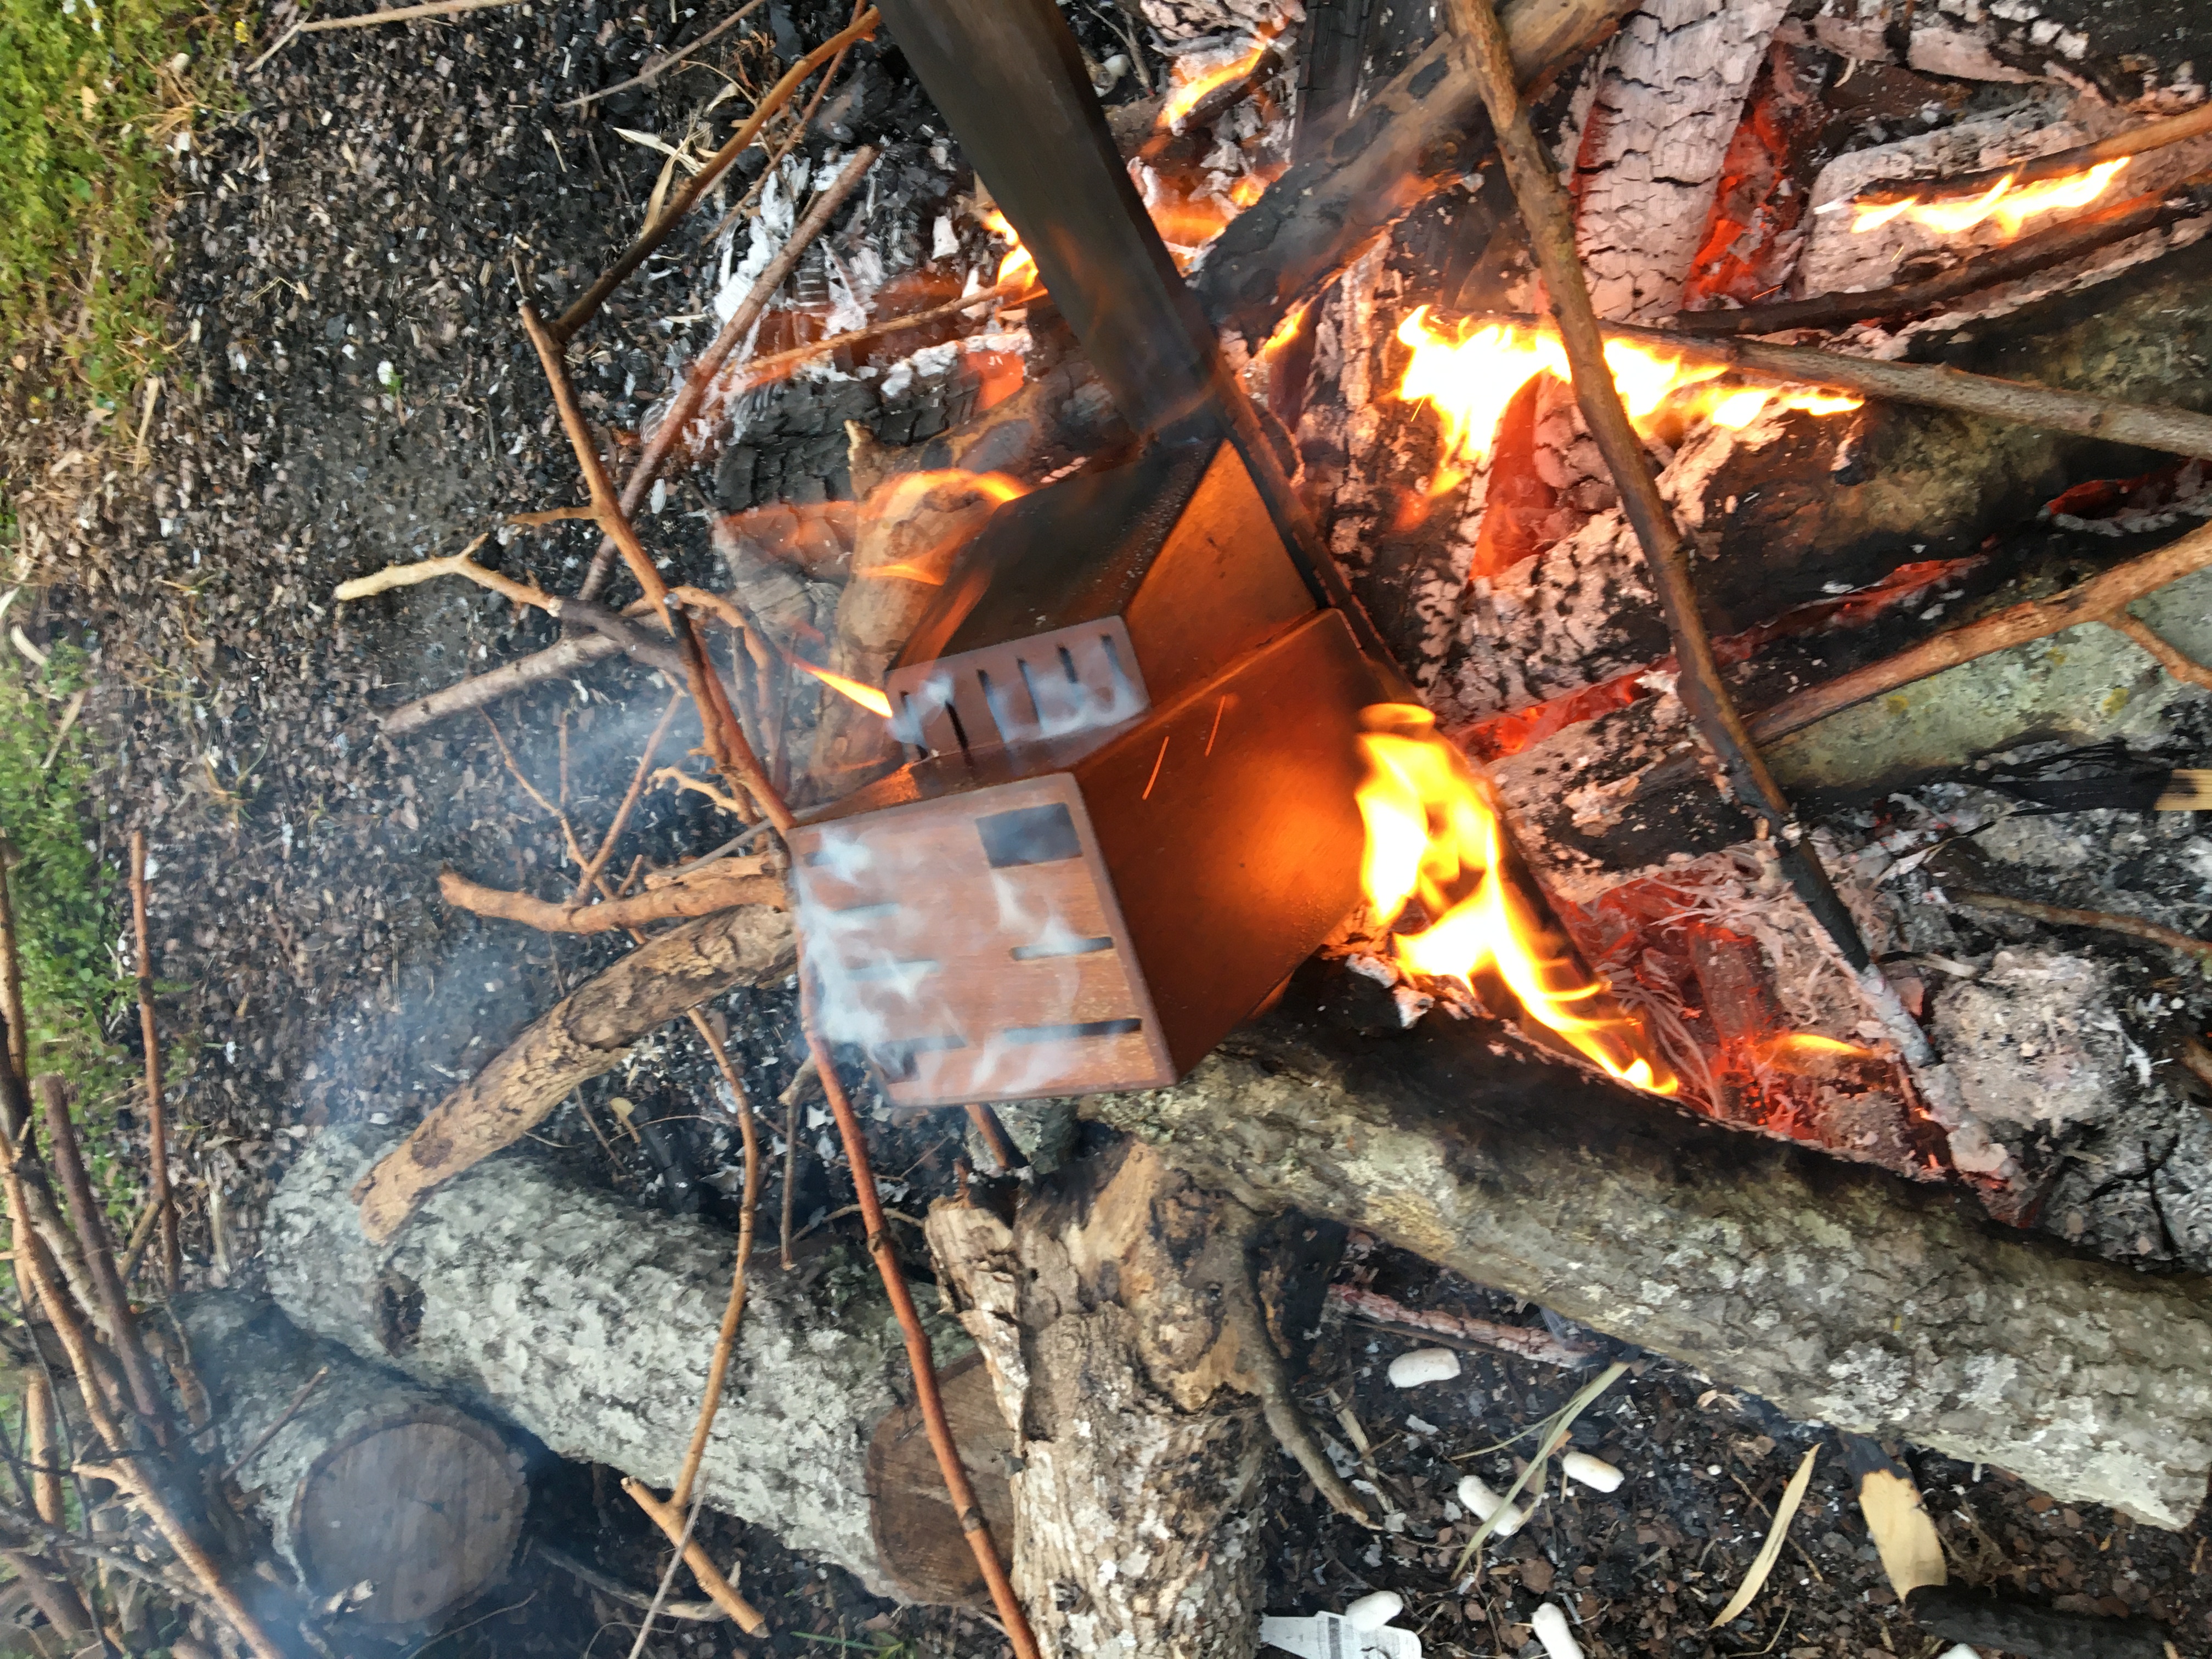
(353, 390)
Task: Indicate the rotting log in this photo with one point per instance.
(1413, 136)
(1838, 1292)
(1117, 1313)
(591, 1323)
(581, 1036)
(359, 1475)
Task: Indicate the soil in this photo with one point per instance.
(352, 390)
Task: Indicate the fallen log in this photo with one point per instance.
(585, 1033)
(592, 1323)
(1836, 1291)
(359, 1475)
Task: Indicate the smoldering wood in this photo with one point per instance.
(1412, 137)
(1103, 1310)
(1836, 1291)
(370, 1476)
(584, 1035)
(591, 1323)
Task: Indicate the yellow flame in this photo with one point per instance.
(1019, 261)
(1186, 94)
(866, 695)
(1470, 376)
(2004, 201)
(1433, 835)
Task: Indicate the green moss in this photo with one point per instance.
(90, 92)
(63, 894)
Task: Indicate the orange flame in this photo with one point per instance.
(1433, 835)
(1186, 94)
(1806, 1050)
(1019, 261)
(866, 695)
(2004, 201)
(1471, 375)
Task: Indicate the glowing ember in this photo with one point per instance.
(866, 695)
(1433, 837)
(1471, 375)
(2004, 201)
(1019, 261)
(1187, 94)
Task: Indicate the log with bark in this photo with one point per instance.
(361, 1476)
(590, 1323)
(1132, 1358)
(1837, 1292)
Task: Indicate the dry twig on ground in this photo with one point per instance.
(2105, 922)
(716, 889)
(157, 1118)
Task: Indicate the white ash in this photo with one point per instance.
(1654, 124)
(2036, 1041)
(1180, 20)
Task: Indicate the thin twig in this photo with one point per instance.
(2023, 258)
(598, 859)
(725, 738)
(718, 1368)
(1544, 208)
(1522, 1341)
(927, 1398)
(694, 1555)
(396, 15)
(668, 1578)
(2105, 922)
(700, 377)
(994, 1136)
(758, 371)
(791, 1102)
(704, 1612)
(16, 1058)
(157, 1117)
(197, 1561)
(672, 214)
(660, 66)
(291, 1411)
(2137, 141)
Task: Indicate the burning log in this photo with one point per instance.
(1836, 1292)
(590, 1323)
(1411, 138)
(360, 1476)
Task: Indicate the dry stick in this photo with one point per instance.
(2188, 199)
(726, 1339)
(668, 1578)
(2176, 662)
(700, 182)
(671, 1523)
(994, 1136)
(627, 634)
(769, 367)
(598, 860)
(712, 891)
(2152, 134)
(157, 1117)
(398, 14)
(38, 1450)
(1544, 208)
(782, 152)
(291, 1411)
(2099, 599)
(926, 1397)
(727, 744)
(2177, 431)
(2107, 921)
(659, 67)
(99, 1256)
(484, 690)
(700, 377)
(792, 1096)
(17, 1056)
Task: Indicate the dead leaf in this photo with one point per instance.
(1786, 1511)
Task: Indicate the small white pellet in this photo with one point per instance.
(1476, 1494)
(1552, 1631)
(1959, 1650)
(1375, 1611)
(1593, 1472)
(1410, 1371)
